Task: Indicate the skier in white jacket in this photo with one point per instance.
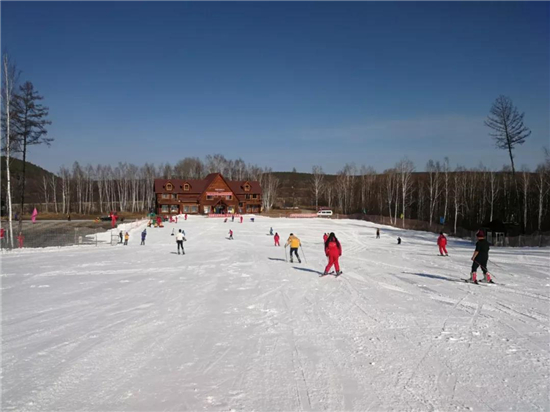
(179, 240)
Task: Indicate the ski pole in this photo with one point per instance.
(303, 253)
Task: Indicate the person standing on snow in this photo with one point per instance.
(276, 238)
(271, 231)
(333, 250)
(294, 243)
(230, 234)
(143, 235)
(325, 237)
(126, 237)
(480, 258)
(442, 243)
(120, 235)
(179, 242)
(377, 233)
(398, 240)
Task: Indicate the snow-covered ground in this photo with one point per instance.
(231, 326)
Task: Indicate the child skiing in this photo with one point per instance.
(230, 234)
(120, 235)
(333, 250)
(398, 240)
(377, 233)
(325, 237)
(126, 237)
(143, 235)
(271, 231)
(442, 243)
(179, 242)
(480, 258)
(276, 238)
(294, 243)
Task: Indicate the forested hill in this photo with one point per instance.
(35, 180)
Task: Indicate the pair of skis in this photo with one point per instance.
(335, 274)
(479, 282)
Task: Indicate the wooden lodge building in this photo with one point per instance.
(212, 195)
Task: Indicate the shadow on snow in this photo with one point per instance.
(308, 270)
(427, 275)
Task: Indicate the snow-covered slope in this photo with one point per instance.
(231, 326)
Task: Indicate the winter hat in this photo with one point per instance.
(480, 233)
(292, 234)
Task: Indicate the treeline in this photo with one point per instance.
(460, 196)
(130, 188)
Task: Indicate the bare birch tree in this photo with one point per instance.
(405, 168)
(446, 170)
(53, 185)
(9, 80)
(494, 188)
(458, 193)
(317, 181)
(434, 187)
(269, 184)
(542, 183)
(391, 184)
(45, 189)
(525, 184)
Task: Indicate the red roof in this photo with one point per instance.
(197, 187)
(238, 187)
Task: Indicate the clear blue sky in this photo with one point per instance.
(282, 84)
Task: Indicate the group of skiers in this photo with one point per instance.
(333, 251)
(126, 237)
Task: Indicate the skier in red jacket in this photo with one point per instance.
(276, 238)
(325, 237)
(333, 250)
(442, 243)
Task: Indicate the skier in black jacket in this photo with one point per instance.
(480, 258)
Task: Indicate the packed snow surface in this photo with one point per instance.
(231, 326)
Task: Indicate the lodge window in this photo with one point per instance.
(166, 196)
(247, 196)
(169, 187)
(208, 197)
(186, 187)
(194, 209)
(174, 209)
(174, 196)
(246, 188)
(254, 196)
(229, 197)
(186, 209)
(164, 209)
(241, 204)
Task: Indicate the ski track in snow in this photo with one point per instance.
(231, 326)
